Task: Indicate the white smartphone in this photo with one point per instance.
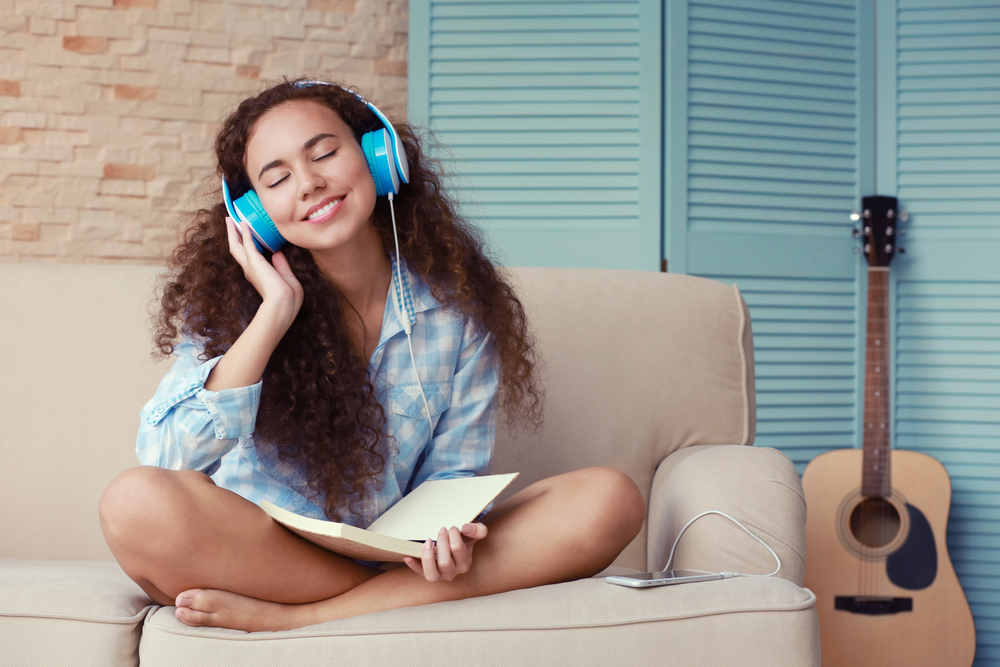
(665, 578)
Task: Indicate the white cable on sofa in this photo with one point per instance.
(747, 530)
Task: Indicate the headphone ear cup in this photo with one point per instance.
(261, 226)
(381, 164)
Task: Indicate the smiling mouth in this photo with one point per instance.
(323, 211)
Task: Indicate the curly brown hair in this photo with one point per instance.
(318, 406)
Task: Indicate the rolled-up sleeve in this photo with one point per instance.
(187, 427)
(462, 444)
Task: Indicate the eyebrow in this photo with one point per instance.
(306, 146)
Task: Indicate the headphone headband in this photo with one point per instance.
(398, 154)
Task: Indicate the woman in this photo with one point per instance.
(295, 382)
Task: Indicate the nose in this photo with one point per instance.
(311, 181)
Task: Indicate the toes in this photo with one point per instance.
(193, 617)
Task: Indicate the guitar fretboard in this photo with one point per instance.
(875, 477)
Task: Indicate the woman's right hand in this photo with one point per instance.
(274, 281)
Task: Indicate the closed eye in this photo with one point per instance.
(326, 155)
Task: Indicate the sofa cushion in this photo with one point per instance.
(69, 613)
(730, 622)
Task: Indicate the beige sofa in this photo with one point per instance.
(649, 373)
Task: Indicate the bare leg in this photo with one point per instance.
(175, 530)
(562, 528)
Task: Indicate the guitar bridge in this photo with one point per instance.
(872, 605)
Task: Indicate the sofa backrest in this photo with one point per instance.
(635, 365)
(76, 370)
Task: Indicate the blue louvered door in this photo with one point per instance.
(762, 174)
(551, 114)
(939, 149)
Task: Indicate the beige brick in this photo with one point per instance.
(141, 93)
(11, 24)
(104, 229)
(175, 6)
(25, 119)
(148, 4)
(324, 34)
(127, 47)
(25, 231)
(337, 6)
(390, 67)
(130, 172)
(169, 35)
(248, 71)
(11, 67)
(11, 135)
(54, 232)
(281, 5)
(102, 23)
(41, 26)
(9, 214)
(210, 16)
(49, 9)
(83, 44)
(119, 188)
(208, 54)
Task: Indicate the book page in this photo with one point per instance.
(440, 503)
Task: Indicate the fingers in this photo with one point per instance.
(428, 565)
(474, 531)
(248, 244)
(235, 242)
(461, 554)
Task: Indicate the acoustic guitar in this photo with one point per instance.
(886, 590)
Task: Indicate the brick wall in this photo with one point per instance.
(108, 108)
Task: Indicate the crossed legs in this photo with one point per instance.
(225, 563)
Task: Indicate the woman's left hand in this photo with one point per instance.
(453, 555)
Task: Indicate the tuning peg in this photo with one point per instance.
(855, 216)
(856, 251)
(890, 214)
(902, 251)
(888, 248)
(868, 230)
(868, 248)
(856, 233)
(888, 231)
(868, 214)
(903, 215)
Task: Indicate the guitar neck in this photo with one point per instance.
(875, 477)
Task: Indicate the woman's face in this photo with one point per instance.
(311, 176)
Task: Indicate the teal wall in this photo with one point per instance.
(733, 139)
(552, 123)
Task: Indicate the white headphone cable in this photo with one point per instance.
(747, 530)
(399, 313)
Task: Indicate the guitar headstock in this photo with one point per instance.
(879, 231)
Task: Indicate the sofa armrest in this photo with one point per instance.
(758, 486)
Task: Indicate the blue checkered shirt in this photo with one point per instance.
(187, 427)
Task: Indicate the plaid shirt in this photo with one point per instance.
(186, 427)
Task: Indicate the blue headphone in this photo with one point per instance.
(386, 158)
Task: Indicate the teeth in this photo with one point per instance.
(323, 210)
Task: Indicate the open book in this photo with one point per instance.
(404, 527)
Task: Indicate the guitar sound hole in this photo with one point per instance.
(874, 522)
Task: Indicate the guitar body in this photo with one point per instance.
(877, 553)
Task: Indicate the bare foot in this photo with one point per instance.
(222, 609)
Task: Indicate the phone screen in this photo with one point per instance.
(668, 574)
(644, 579)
